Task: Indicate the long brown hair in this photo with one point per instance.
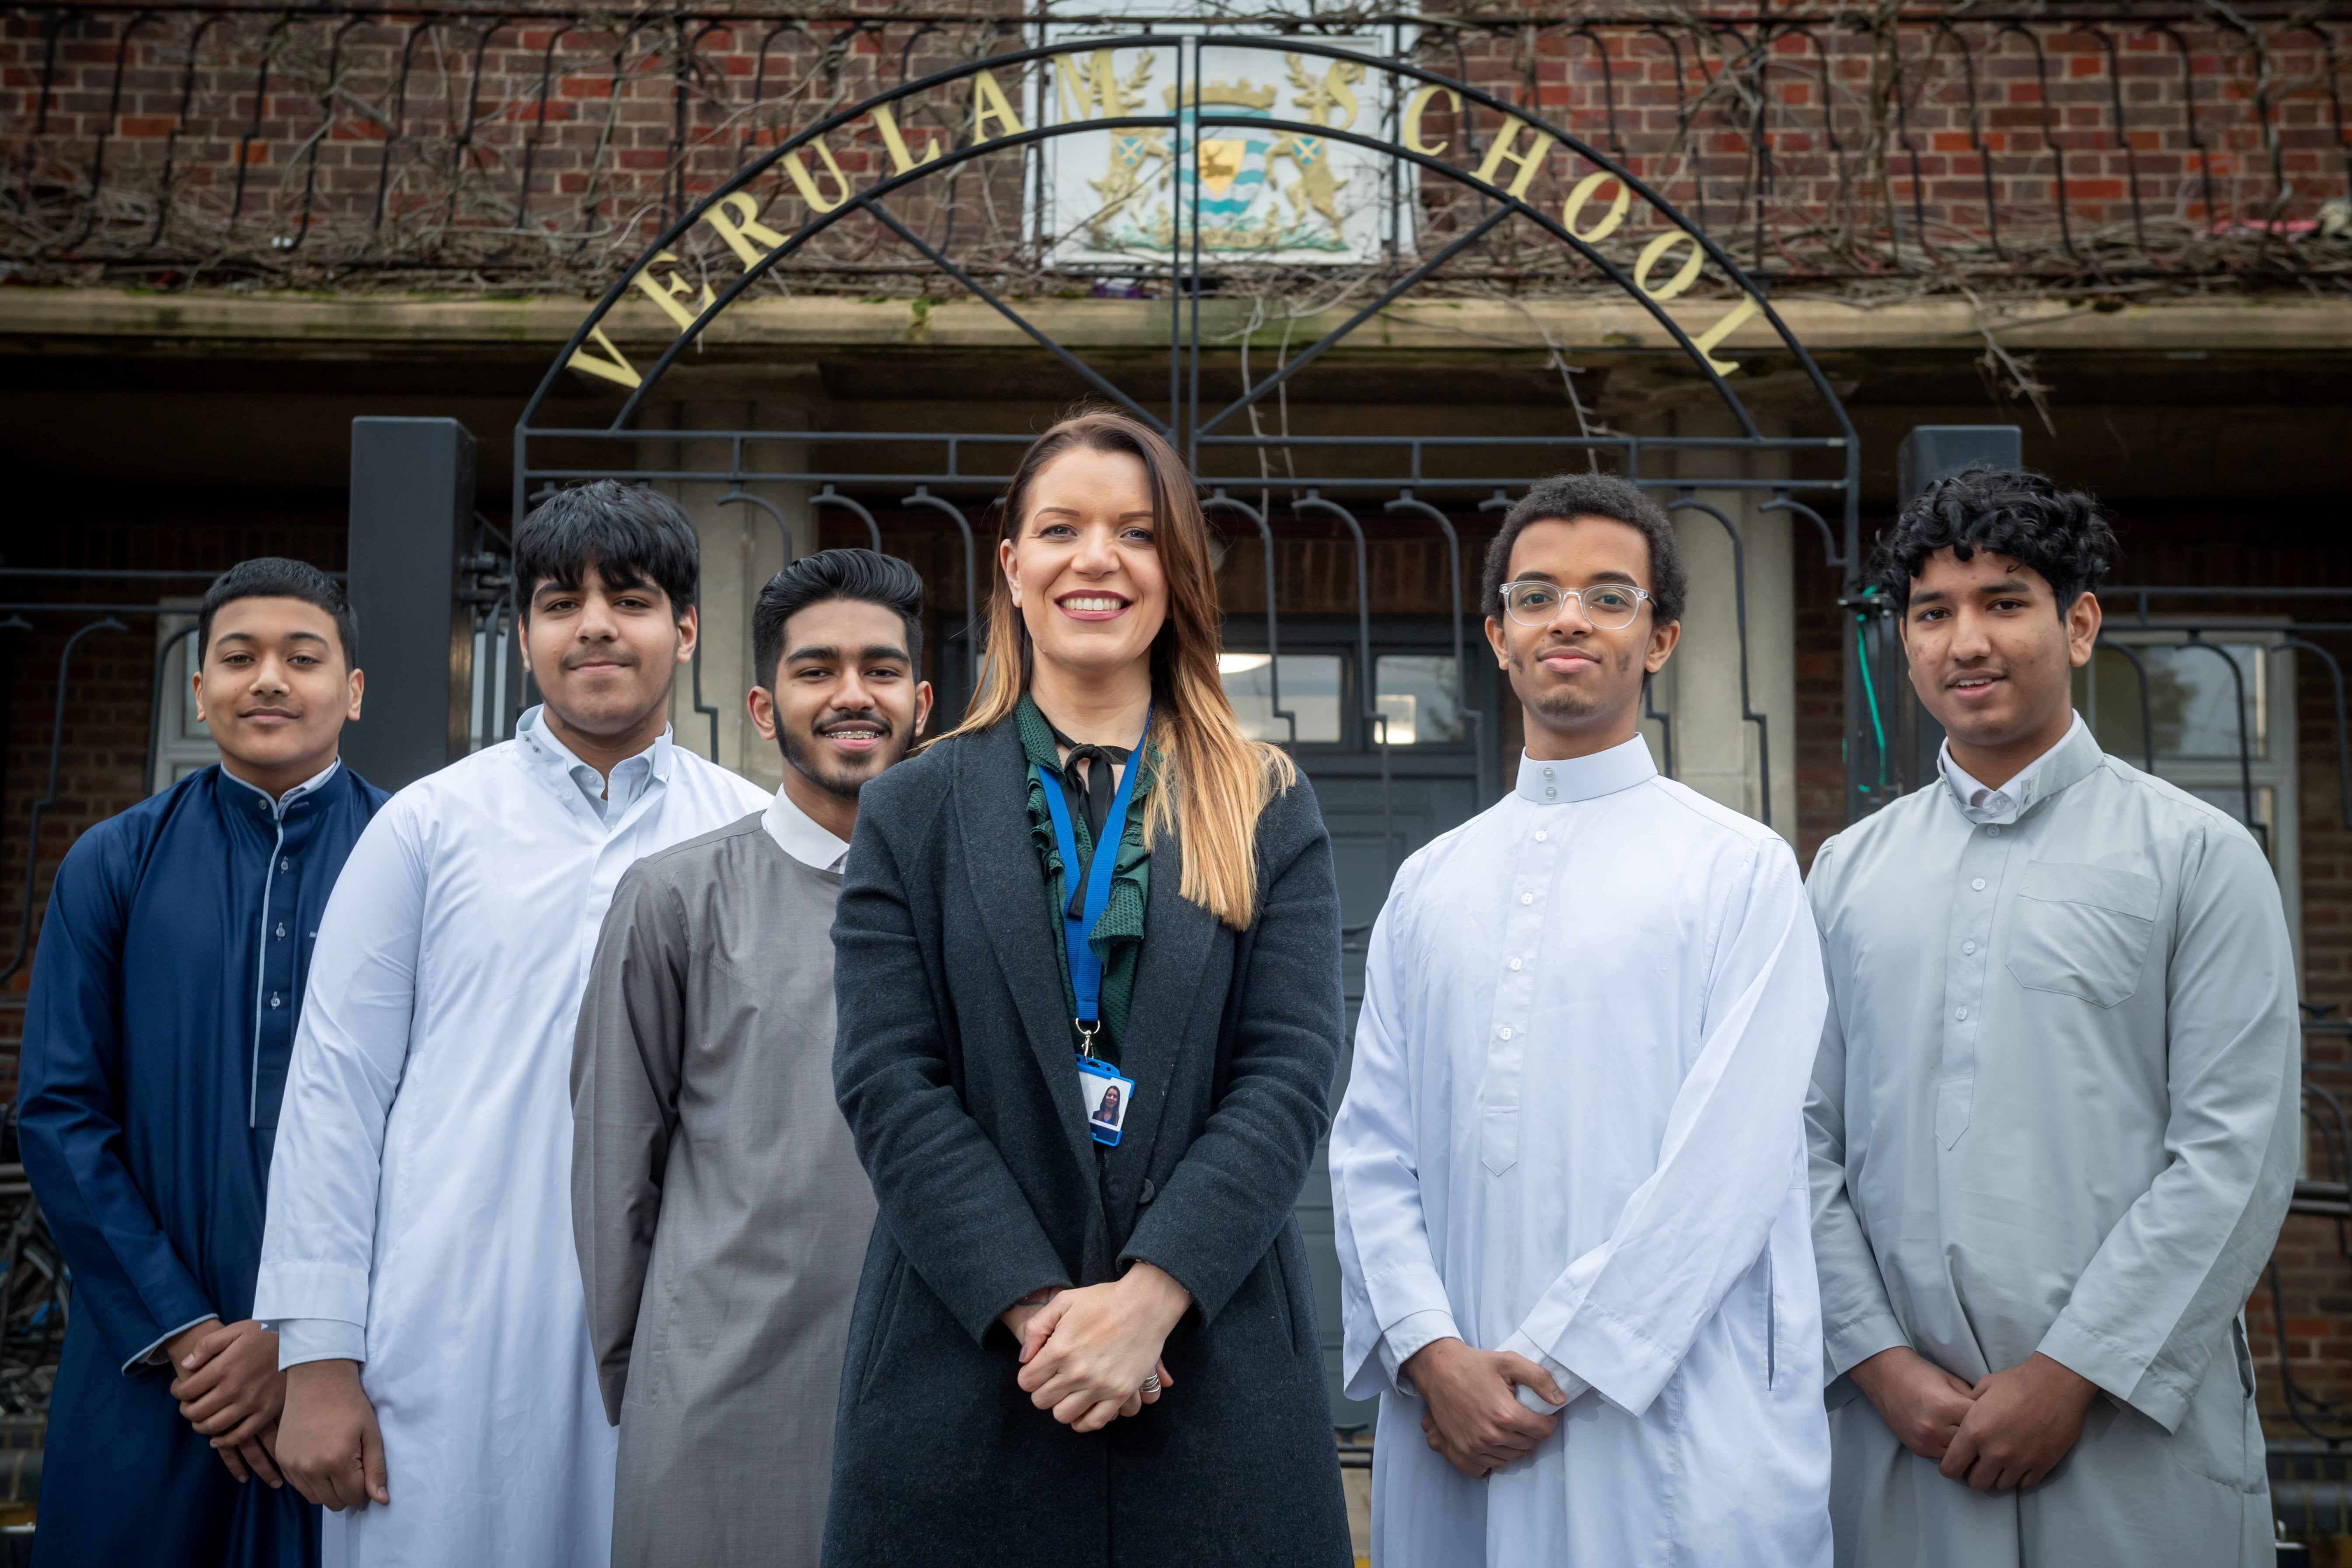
(1214, 781)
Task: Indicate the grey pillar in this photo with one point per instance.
(1928, 453)
(412, 513)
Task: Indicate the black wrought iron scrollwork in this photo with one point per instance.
(924, 499)
(49, 794)
(832, 498)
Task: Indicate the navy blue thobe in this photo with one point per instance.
(156, 1042)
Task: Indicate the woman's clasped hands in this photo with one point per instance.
(1093, 1355)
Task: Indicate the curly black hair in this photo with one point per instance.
(2009, 513)
(1566, 496)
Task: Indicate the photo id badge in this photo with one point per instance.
(1106, 1096)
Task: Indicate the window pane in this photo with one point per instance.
(1310, 688)
(1421, 697)
(2191, 701)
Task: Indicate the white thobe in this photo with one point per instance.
(421, 1188)
(1574, 1130)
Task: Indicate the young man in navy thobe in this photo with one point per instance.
(165, 992)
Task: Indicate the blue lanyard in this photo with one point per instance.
(1086, 968)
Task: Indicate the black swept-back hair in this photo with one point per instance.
(1567, 497)
(827, 575)
(2009, 513)
(633, 536)
(276, 577)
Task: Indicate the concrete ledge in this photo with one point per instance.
(107, 319)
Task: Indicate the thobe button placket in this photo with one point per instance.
(1498, 1138)
(1982, 860)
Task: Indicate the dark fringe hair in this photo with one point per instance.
(276, 577)
(829, 575)
(2013, 514)
(633, 536)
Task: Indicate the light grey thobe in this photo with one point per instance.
(2055, 1110)
(721, 1212)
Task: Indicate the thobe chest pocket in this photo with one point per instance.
(2081, 930)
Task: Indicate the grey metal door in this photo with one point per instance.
(1379, 809)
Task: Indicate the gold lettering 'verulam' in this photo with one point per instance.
(989, 102)
(1583, 193)
(1409, 133)
(1087, 87)
(616, 368)
(669, 291)
(736, 220)
(805, 183)
(1501, 151)
(901, 160)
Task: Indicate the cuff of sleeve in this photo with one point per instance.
(310, 1289)
(2147, 1388)
(153, 1354)
(318, 1339)
(1408, 1338)
(1570, 1384)
(1847, 1347)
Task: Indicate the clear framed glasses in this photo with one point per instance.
(1610, 607)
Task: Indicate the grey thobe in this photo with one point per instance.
(2055, 1110)
(719, 1209)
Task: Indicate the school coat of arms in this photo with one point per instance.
(1256, 187)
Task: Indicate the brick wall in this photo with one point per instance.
(334, 147)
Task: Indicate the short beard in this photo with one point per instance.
(1560, 704)
(810, 765)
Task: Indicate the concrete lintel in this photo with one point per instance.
(114, 320)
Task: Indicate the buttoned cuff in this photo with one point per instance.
(318, 1339)
(153, 1354)
(1570, 1384)
(1409, 1337)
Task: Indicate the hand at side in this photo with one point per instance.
(1084, 1353)
(327, 1441)
(2024, 1420)
(1475, 1420)
(230, 1390)
(1921, 1403)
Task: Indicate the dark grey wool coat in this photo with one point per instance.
(953, 1064)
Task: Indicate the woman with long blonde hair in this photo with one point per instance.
(1087, 1084)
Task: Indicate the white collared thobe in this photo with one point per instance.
(1573, 1131)
(420, 1197)
(2055, 1111)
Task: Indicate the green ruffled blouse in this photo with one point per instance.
(1118, 935)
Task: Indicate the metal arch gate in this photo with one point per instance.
(1328, 481)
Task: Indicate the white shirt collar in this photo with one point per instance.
(1586, 778)
(308, 786)
(1983, 805)
(609, 796)
(798, 834)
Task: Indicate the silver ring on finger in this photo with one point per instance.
(1149, 1385)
